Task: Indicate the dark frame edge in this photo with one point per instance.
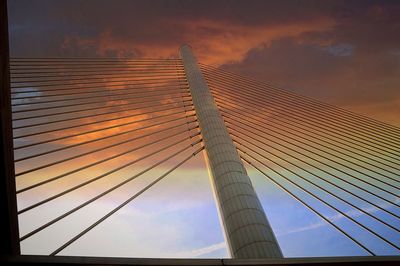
(76, 260)
(8, 204)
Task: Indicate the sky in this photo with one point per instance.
(346, 53)
(343, 52)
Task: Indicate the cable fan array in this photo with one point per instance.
(325, 157)
(90, 120)
(100, 125)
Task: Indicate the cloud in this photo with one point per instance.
(172, 219)
(215, 42)
(343, 52)
(194, 253)
(352, 213)
(337, 74)
(342, 49)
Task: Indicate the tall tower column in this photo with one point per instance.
(247, 230)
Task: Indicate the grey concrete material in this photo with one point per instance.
(230, 193)
(227, 166)
(230, 179)
(242, 218)
(238, 203)
(239, 200)
(216, 130)
(251, 233)
(221, 156)
(227, 182)
(247, 230)
(240, 214)
(254, 248)
(221, 147)
(238, 173)
(217, 140)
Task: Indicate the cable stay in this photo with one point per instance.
(324, 106)
(98, 149)
(125, 203)
(106, 159)
(272, 123)
(319, 128)
(282, 108)
(101, 176)
(305, 148)
(243, 156)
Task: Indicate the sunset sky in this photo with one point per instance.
(346, 53)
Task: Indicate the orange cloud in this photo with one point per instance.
(215, 42)
(227, 43)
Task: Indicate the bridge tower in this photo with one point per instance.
(247, 230)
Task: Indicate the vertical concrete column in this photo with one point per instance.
(247, 230)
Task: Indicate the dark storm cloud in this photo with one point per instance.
(47, 23)
(355, 63)
(43, 26)
(345, 52)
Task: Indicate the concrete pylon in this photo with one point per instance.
(247, 230)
